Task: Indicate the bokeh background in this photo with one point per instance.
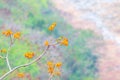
(92, 27)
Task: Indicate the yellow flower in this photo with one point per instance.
(20, 75)
(7, 33)
(46, 43)
(17, 35)
(50, 67)
(58, 64)
(54, 68)
(64, 42)
(50, 64)
(50, 70)
(51, 28)
(29, 55)
(3, 51)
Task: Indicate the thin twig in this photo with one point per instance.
(50, 78)
(8, 63)
(25, 65)
(2, 57)
(7, 60)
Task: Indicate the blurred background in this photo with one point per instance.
(92, 27)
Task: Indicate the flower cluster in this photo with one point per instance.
(9, 32)
(51, 28)
(58, 64)
(64, 41)
(20, 75)
(54, 68)
(29, 55)
(17, 35)
(46, 43)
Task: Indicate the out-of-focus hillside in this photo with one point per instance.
(102, 17)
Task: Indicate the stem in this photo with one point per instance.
(8, 64)
(7, 60)
(2, 57)
(25, 65)
(11, 40)
(50, 78)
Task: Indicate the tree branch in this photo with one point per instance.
(25, 65)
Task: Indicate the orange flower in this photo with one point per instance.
(46, 43)
(3, 51)
(50, 70)
(50, 67)
(50, 64)
(64, 42)
(51, 28)
(59, 64)
(54, 68)
(17, 35)
(20, 75)
(7, 33)
(29, 55)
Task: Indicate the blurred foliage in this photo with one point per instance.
(79, 61)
